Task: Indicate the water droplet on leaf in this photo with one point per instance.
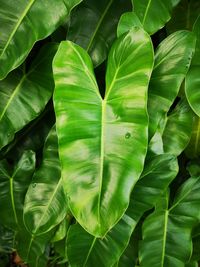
(127, 135)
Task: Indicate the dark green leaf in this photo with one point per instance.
(13, 187)
(184, 15)
(153, 14)
(45, 202)
(193, 148)
(192, 83)
(24, 23)
(93, 26)
(24, 96)
(167, 232)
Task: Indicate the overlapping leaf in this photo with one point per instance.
(24, 23)
(193, 148)
(24, 96)
(13, 186)
(167, 232)
(184, 15)
(45, 202)
(127, 21)
(93, 26)
(172, 60)
(147, 11)
(99, 138)
(174, 132)
(192, 83)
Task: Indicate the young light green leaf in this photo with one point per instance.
(192, 82)
(13, 186)
(24, 23)
(98, 138)
(24, 96)
(45, 202)
(127, 21)
(93, 26)
(172, 60)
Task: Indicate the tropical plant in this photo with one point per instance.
(100, 133)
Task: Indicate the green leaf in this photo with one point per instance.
(130, 256)
(24, 96)
(172, 60)
(184, 15)
(61, 232)
(158, 173)
(24, 24)
(192, 264)
(93, 26)
(89, 249)
(45, 202)
(151, 19)
(7, 238)
(174, 133)
(31, 137)
(193, 148)
(196, 243)
(31, 247)
(167, 232)
(126, 22)
(192, 82)
(99, 138)
(13, 187)
(177, 131)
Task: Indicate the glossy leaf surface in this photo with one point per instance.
(127, 21)
(192, 83)
(24, 24)
(24, 96)
(174, 132)
(98, 138)
(147, 11)
(93, 26)
(193, 148)
(45, 203)
(172, 60)
(167, 232)
(31, 247)
(13, 186)
(158, 173)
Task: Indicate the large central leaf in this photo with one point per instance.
(102, 142)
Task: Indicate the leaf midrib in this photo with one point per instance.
(47, 207)
(17, 26)
(90, 251)
(146, 11)
(164, 237)
(98, 25)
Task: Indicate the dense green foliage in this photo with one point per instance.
(100, 133)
